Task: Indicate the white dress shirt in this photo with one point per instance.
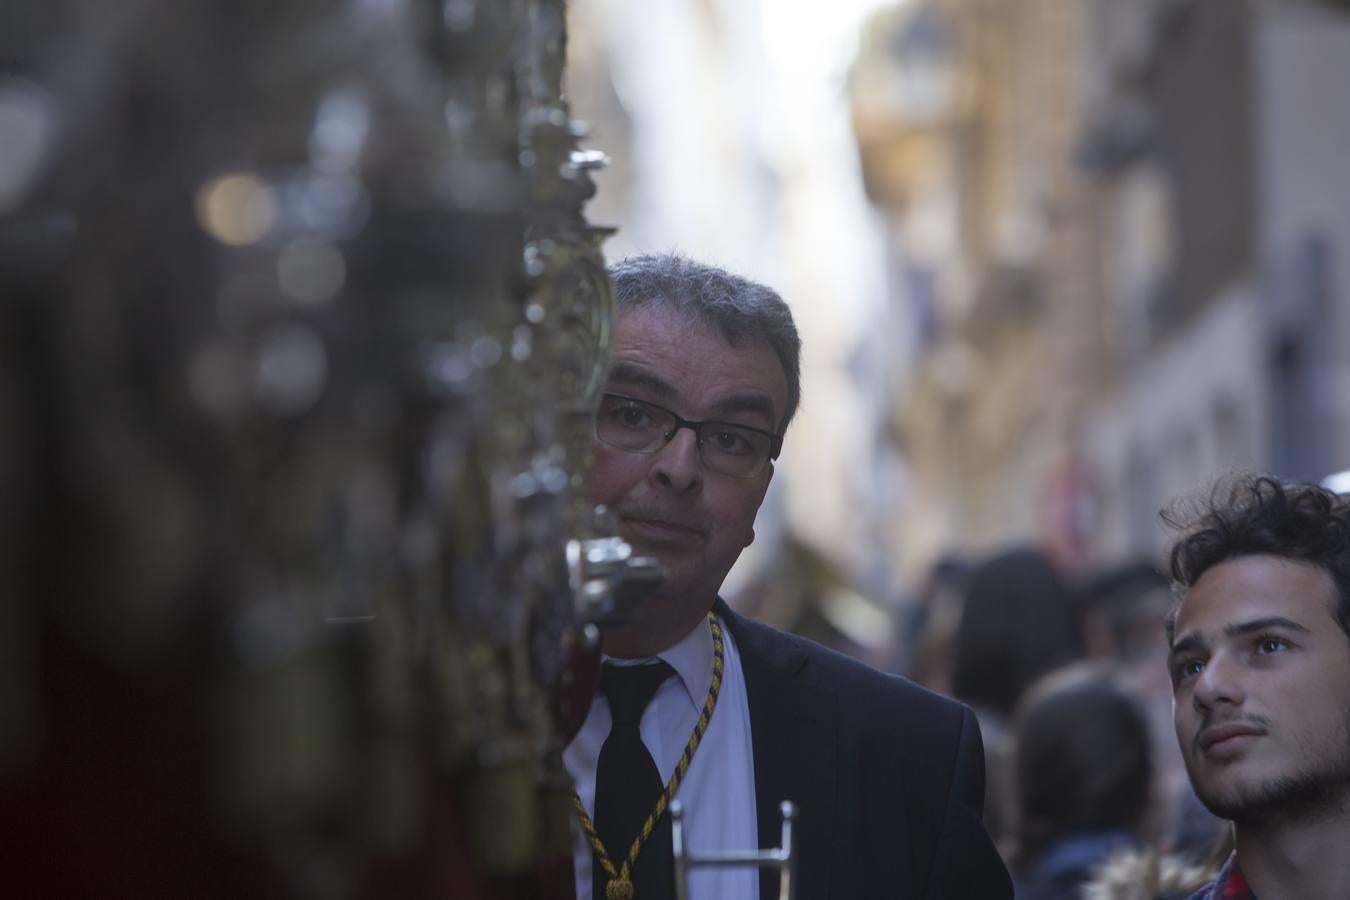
(718, 791)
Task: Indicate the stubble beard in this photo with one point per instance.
(1317, 792)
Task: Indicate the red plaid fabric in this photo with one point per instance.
(1230, 885)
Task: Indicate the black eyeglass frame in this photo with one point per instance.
(775, 440)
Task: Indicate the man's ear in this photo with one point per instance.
(765, 490)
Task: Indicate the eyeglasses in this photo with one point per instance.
(641, 427)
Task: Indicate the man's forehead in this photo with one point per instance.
(638, 324)
(1255, 588)
(635, 374)
(679, 357)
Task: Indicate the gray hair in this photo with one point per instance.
(741, 310)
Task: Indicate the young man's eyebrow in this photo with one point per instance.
(1264, 624)
(1237, 629)
(1185, 645)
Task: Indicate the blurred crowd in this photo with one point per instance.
(1086, 793)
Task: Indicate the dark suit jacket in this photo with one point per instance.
(888, 778)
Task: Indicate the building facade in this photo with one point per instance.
(1123, 241)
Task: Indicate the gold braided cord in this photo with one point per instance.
(620, 887)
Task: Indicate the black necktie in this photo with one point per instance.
(627, 786)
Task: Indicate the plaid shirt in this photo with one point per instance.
(1230, 885)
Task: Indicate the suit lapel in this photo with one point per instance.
(793, 725)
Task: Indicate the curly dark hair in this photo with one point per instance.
(1250, 515)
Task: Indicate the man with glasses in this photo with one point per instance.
(729, 716)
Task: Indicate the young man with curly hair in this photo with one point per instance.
(1260, 664)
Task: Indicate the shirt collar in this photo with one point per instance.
(692, 660)
(1230, 884)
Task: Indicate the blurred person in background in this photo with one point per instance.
(927, 625)
(1019, 621)
(1124, 611)
(803, 591)
(1083, 777)
(1259, 654)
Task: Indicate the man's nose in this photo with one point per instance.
(1218, 683)
(677, 465)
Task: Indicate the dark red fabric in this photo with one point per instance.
(1230, 885)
